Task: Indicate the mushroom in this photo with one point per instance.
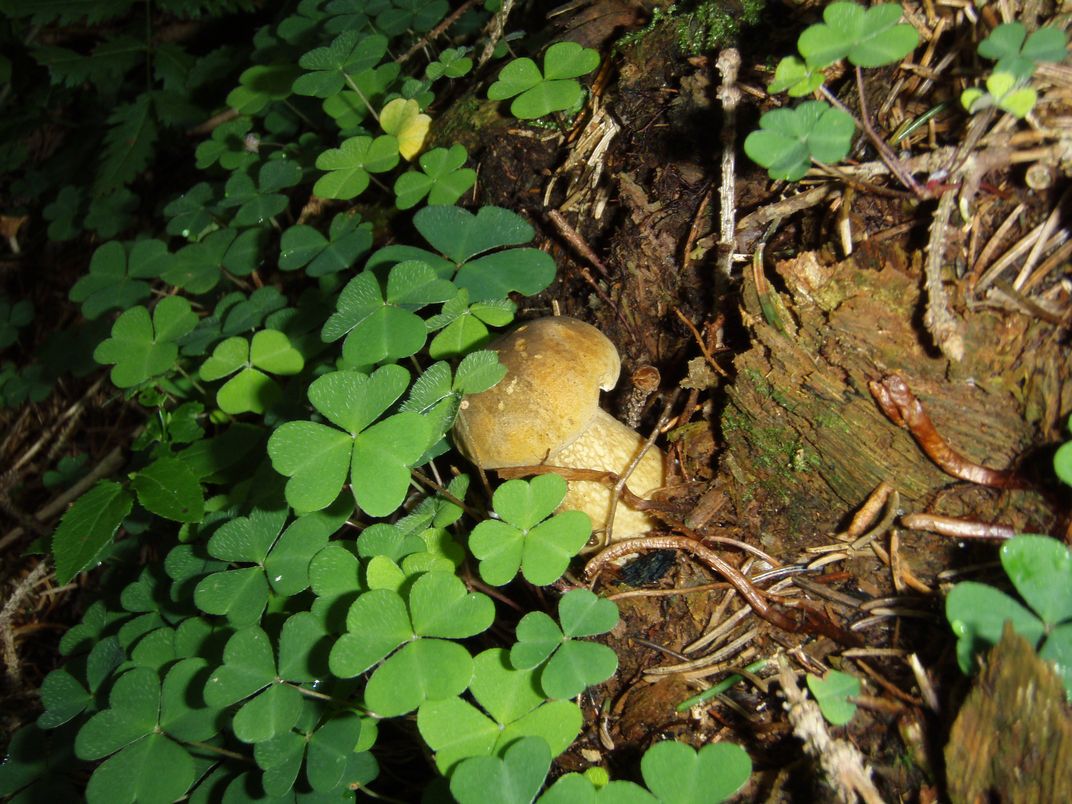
(546, 411)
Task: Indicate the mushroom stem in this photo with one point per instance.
(608, 445)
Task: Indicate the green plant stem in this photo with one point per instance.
(721, 686)
(324, 697)
(217, 750)
(299, 113)
(353, 85)
(884, 153)
(148, 45)
(380, 184)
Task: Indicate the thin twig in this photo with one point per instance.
(110, 463)
(620, 485)
(802, 619)
(958, 528)
(437, 31)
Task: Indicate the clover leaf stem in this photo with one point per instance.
(320, 696)
(304, 118)
(215, 749)
(353, 85)
(884, 152)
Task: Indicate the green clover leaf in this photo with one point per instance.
(1018, 54)
(133, 731)
(788, 139)
(249, 673)
(1004, 90)
(442, 178)
(348, 238)
(198, 267)
(351, 107)
(832, 693)
(117, 274)
(378, 456)
(1062, 460)
(381, 325)
(348, 166)
(261, 201)
(351, 52)
(471, 242)
(280, 559)
(678, 774)
(464, 326)
(453, 62)
(1040, 569)
(142, 348)
(228, 145)
(191, 215)
(511, 707)
(438, 608)
(258, 86)
(571, 666)
(515, 778)
(795, 77)
(251, 389)
(419, 16)
(869, 37)
(63, 213)
(555, 89)
(541, 549)
(13, 317)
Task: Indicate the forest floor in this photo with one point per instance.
(766, 393)
(766, 384)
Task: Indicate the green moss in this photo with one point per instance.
(763, 388)
(710, 25)
(658, 16)
(831, 420)
(702, 25)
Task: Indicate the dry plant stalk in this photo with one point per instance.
(7, 617)
(840, 760)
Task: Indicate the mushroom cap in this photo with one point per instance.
(555, 368)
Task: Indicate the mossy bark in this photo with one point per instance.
(802, 430)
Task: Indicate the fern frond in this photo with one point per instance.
(128, 145)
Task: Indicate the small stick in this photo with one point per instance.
(868, 512)
(805, 621)
(903, 409)
(110, 463)
(437, 31)
(700, 342)
(957, 528)
(616, 491)
(573, 237)
(495, 30)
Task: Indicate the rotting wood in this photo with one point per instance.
(802, 428)
(1013, 736)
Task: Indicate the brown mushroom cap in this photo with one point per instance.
(555, 368)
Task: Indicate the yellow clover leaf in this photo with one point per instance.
(403, 119)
